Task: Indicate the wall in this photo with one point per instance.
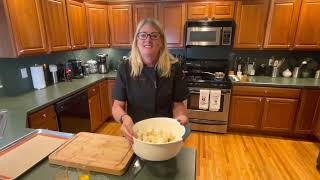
(10, 76)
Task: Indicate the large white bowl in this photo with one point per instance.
(158, 152)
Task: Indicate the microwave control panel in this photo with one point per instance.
(226, 36)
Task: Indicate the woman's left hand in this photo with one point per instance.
(182, 119)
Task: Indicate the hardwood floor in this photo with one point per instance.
(246, 157)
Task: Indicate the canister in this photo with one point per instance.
(317, 75)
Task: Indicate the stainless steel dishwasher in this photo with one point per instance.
(73, 113)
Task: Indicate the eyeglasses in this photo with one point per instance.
(144, 35)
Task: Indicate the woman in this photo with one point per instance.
(151, 82)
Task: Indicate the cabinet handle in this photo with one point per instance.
(265, 91)
(44, 115)
(94, 90)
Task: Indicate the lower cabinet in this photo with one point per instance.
(94, 107)
(264, 109)
(111, 84)
(104, 100)
(43, 119)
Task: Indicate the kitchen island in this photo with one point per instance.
(181, 167)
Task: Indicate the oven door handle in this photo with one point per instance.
(223, 91)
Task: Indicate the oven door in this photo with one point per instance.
(203, 36)
(206, 115)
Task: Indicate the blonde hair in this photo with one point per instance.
(165, 61)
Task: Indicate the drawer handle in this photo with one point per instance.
(265, 91)
(44, 115)
(94, 90)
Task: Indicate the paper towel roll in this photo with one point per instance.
(38, 78)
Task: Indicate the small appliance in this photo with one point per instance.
(102, 63)
(38, 78)
(210, 33)
(53, 70)
(77, 72)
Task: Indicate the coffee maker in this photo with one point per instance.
(103, 66)
(77, 71)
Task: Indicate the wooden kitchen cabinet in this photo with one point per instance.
(198, 10)
(22, 28)
(94, 107)
(77, 24)
(120, 18)
(316, 123)
(56, 23)
(245, 112)
(282, 24)
(111, 84)
(208, 10)
(306, 116)
(98, 30)
(143, 11)
(222, 9)
(250, 23)
(264, 109)
(104, 100)
(308, 30)
(279, 114)
(45, 118)
(172, 16)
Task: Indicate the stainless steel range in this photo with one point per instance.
(208, 75)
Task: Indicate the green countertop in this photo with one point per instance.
(19, 106)
(281, 82)
(181, 167)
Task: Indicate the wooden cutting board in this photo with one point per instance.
(94, 152)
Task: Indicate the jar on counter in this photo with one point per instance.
(93, 66)
(317, 75)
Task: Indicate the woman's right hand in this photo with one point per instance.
(126, 128)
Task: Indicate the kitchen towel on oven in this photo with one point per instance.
(204, 99)
(215, 96)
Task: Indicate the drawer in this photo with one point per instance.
(266, 92)
(43, 113)
(44, 119)
(93, 90)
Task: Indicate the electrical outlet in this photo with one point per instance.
(24, 73)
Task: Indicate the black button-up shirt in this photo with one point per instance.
(150, 95)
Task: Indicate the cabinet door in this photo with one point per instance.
(198, 10)
(95, 112)
(279, 114)
(111, 84)
(55, 15)
(43, 119)
(222, 9)
(316, 123)
(142, 11)
(282, 23)
(77, 24)
(27, 26)
(250, 24)
(104, 100)
(245, 112)
(97, 19)
(120, 18)
(307, 111)
(172, 16)
(308, 30)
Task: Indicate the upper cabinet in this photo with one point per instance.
(56, 23)
(172, 16)
(198, 10)
(282, 22)
(22, 28)
(120, 18)
(142, 11)
(308, 30)
(214, 10)
(77, 24)
(97, 19)
(222, 9)
(250, 23)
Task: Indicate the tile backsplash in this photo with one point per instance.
(13, 84)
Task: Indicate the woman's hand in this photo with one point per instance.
(182, 119)
(126, 128)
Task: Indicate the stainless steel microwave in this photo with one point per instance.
(210, 33)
